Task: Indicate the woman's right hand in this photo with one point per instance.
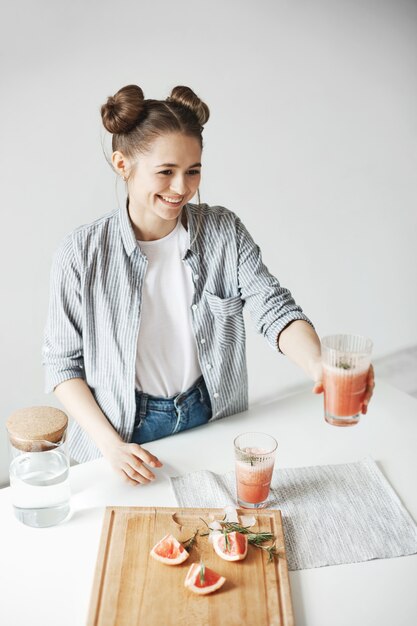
(130, 461)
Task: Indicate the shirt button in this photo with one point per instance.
(203, 341)
(196, 276)
(215, 395)
(194, 307)
(209, 366)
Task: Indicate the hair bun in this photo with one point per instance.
(121, 112)
(187, 97)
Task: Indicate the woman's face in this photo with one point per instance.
(166, 177)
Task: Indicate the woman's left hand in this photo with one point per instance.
(370, 384)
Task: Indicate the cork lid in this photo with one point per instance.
(31, 428)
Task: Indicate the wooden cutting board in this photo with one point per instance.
(131, 588)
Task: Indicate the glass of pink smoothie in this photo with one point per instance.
(346, 360)
(254, 463)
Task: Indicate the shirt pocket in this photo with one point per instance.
(229, 326)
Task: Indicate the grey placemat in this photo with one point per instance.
(332, 514)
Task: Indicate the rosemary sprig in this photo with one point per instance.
(271, 550)
(190, 543)
(343, 365)
(202, 572)
(226, 540)
(252, 459)
(256, 539)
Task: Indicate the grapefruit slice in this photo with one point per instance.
(202, 580)
(231, 546)
(170, 551)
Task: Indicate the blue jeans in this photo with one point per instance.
(159, 417)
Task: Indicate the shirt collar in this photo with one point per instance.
(126, 230)
(192, 213)
(128, 235)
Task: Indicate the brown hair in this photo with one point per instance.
(136, 122)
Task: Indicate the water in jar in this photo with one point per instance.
(40, 488)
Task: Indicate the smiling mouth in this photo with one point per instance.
(174, 202)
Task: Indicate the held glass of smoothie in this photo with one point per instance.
(346, 360)
(254, 462)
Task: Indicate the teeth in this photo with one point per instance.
(171, 200)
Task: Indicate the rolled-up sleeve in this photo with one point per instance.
(271, 306)
(62, 350)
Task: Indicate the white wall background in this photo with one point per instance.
(312, 141)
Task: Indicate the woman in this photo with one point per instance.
(145, 334)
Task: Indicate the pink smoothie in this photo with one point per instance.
(253, 481)
(344, 391)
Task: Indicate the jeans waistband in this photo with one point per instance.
(170, 403)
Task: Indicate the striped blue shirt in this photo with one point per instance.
(95, 304)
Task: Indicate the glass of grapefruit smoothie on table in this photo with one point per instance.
(346, 360)
(254, 463)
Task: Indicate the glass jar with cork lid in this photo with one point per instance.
(39, 465)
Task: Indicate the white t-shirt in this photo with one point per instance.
(166, 358)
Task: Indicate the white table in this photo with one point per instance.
(46, 574)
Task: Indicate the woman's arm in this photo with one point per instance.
(126, 458)
(271, 305)
(300, 343)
